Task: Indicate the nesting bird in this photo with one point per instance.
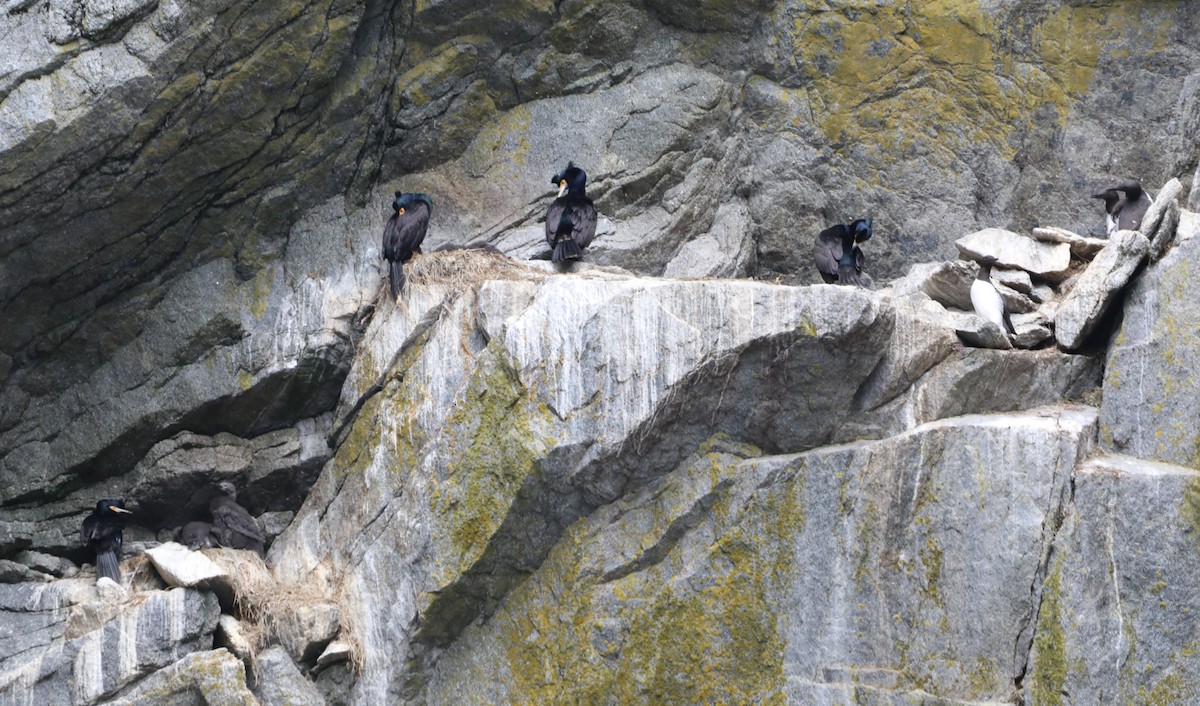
(1125, 205)
(1111, 198)
(986, 299)
(404, 232)
(197, 535)
(837, 255)
(571, 218)
(101, 532)
(232, 525)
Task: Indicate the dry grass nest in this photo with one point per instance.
(264, 604)
(467, 266)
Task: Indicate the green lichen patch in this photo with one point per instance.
(1049, 643)
(942, 76)
(699, 626)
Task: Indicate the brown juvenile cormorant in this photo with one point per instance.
(197, 535)
(101, 533)
(835, 252)
(404, 232)
(571, 219)
(233, 526)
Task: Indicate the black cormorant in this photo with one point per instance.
(233, 526)
(101, 533)
(835, 250)
(404, 232)
(571, 219)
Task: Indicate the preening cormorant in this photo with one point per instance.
(987, 300)
(197, 535)
(571, 219)
(835, 251)
(1111, 197)
(233, 526)
(404, 232)
(101, 533)
(1133, 207)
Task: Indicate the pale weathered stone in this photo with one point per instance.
(1162, 219)
(334, 652)
(180, 566)
(307, 629)
(48, 564)
(232, 636)
(1017, 280)
(1048, 261)
(1189, 225)
(213, 678)
(1082, 247)
(1082, 308)
(1123, 570)
(948, 283)
(1151, 390)
(277, 681)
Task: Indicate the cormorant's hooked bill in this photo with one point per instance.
(404, 233)
(101, 533)
(571, 218)
(233, 526)
(838, 258)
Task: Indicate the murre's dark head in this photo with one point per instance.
(1131, 187)
(862, 229)
(406, 202)
(572, 180)
(985, 268)
(1110, 196)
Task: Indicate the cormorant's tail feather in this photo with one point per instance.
(566, 249)
(106, 565)
(397, 278)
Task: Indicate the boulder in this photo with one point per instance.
(1150, 386)
(1162, 219)
(47, 564)
(947, 283)
(180, 566)
(335, 652)
(1189, 225)
(279, 683)
(1017, 280)
(1082, 247)
(1083, 307)
(307, 629)
(231, 635)
(1048, 261)
(211, 678)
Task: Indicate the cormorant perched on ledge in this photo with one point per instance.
(233, 526)
(571, 219)
(835, 252)
(987, 300)
(101, 533)
(404, 232)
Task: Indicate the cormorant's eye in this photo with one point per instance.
(400, 212)
(562, 183)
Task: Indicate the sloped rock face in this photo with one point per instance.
(65, 645)
(903, 567)
(1151, 392)
(480, 424)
